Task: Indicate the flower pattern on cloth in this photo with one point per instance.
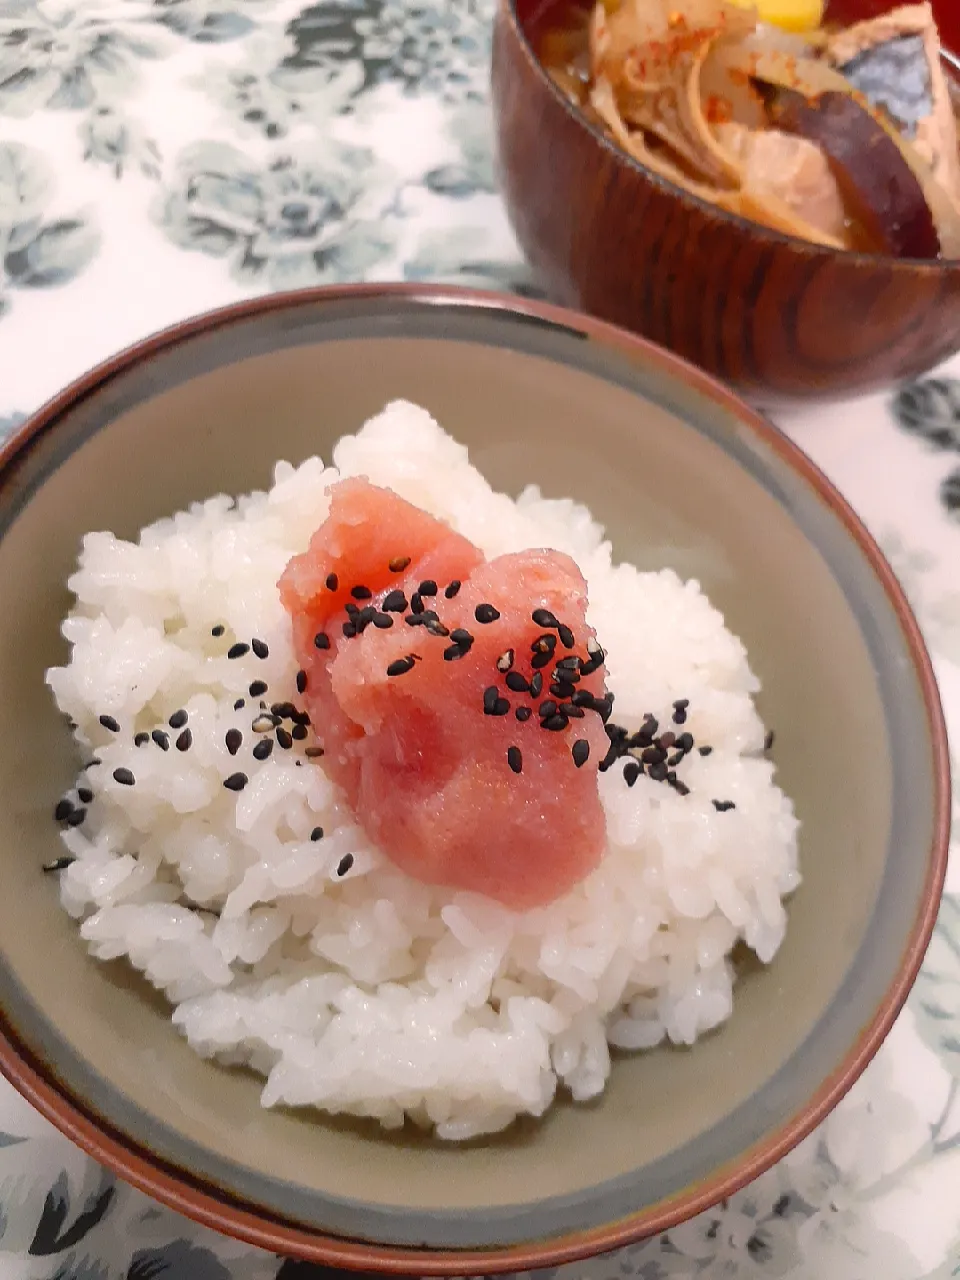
(160, 157)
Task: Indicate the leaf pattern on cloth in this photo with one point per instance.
(36, 250)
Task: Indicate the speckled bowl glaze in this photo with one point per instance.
(683, 474)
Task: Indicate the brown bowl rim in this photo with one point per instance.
(809, 249)
(190, 1196)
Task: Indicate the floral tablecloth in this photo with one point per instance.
(159, 157)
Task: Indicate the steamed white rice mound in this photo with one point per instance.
(368, 992)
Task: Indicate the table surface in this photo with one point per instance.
(160, 157)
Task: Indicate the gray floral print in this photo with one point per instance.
(69, 57)
(36, 251)
(288, 223)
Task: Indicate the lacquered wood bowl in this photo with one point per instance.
(780, 319)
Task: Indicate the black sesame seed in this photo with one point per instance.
(398, 564)
(515, 759)
(705, 751)
(258, 688)
(769, 740)
(723, 806)
(218, 630)
(394, 602)
(486, 613)
(428, 587)
(141, 739)
(260, 648)
(316, 834)
(345, 863)
(76, 818)
(124, 777)
(299, 732)
(566, 636)
(301, 682)
(517, 682)
(234, 741)
(349, 630)
(451, 590)
(239, 704)
(236, 782)
(544, 618)
(505, 661)
(312, 753)
(161, 739)
(63, 810)
(360, 592)
(238, 650)
(523, 713)
(580, 752)
(631, 772)
(60, 864)
(185, 741)
(263, 748)
(178, 719)
(333, 582)
(108, 722)
(556, 723)
(85, 795)
(321, 640)
(401, 666)
(416, 604)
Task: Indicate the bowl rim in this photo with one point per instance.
(191, 1196)
(808, 248)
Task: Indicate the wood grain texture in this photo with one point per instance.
(782, 320)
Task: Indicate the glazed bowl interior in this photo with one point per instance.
(682, 476)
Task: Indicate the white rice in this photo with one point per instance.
(371, 993)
